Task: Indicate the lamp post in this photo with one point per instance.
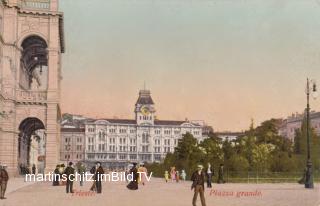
(308, 176)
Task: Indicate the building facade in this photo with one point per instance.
(31, 45)
(72, 144)
(292, 123)
(116, 142)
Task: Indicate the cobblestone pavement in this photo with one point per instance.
(159, 193)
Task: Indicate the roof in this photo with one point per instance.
(121, 121)
(168, 122)
(144, 97)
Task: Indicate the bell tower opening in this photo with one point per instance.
(34, 64)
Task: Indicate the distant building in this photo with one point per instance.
(229, 136)
(292, 123)
(116, 142)
(72, 146)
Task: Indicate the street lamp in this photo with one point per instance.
(308, 176)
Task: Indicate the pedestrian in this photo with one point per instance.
(56, 176)
(133, 185)
(4, 178)
(198, 185)
(34, 169)
(166, 175)
(142, 173)
(70, 174)
(173, 174)
(220, 175)
(81, 171)
(183, 175)
(97, 172)
(177, 176)
(209, 173)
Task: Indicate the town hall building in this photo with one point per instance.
(117, 142)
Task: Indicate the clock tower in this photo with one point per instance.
(144, 108)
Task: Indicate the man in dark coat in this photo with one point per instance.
(198, 185)
(56, 176)
(4, 177)
(220, 175)
(133, 185)
(70, 174)
(98, 175)
(33, 169)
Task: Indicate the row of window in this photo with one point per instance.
(145, 118)
(124, 131)
(112, 156)
(68, 156)
(111, 130)
(113, 148)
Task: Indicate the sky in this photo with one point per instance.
(221, 61)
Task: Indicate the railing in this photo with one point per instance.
(35, 4)
(266, 177)
(31, 96)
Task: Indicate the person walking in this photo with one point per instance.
(220, 175)
(198, 186)
(4, 178)
(142, 174)
(133, 185)
(34, 169)
(98, 177)
(166, 175)
(56, 176)
(81, 171)
(97, 172)
(210, 173)
(173, 174)
(70, 174)
(177, 176)
(183, 175)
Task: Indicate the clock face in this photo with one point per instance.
(145, 110)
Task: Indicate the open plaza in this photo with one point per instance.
(158, 193)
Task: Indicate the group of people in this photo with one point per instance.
(138, 176)
(175, 175)
(70, 171)
(97, 171)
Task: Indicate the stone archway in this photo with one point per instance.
(29, 143)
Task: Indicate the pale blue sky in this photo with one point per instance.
(224, 62)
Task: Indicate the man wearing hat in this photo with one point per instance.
(70, 173)
(198, 185)
(4, 177)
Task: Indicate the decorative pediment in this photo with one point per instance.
(102, 121)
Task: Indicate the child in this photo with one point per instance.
(166, 176)
(177, 176)
(183, 175)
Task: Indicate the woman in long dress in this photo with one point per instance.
(133, 185)
(173, 174)
(143, 174)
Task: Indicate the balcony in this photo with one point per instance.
(31, 96)
(35, 4)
